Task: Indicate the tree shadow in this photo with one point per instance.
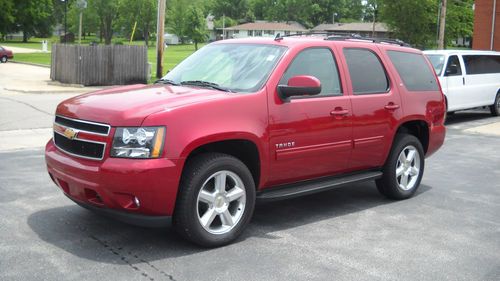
(98, 238)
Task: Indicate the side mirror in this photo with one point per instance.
(302, 85)
(452, 69)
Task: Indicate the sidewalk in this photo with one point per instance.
(23, 78)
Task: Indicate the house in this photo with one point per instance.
(486, 34)
(263, 29)
(364, 29)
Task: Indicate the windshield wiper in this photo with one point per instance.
(166, 81)
(205, 84)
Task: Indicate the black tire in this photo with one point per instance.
(495, 108)
(198, 174)
(389, 184)
(4, 59)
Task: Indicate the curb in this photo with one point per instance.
(29, 63)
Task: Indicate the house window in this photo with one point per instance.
(236, 32)
(269, 32)
(287, 32)
(258, 32)
(250, 33)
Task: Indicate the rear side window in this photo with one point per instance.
(414, 70)
(366, 71)
(317, 62)
(482, 64)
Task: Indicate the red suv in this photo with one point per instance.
(5, 55)
(246, 120)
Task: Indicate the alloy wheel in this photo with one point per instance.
(221, 202)
(408, 168)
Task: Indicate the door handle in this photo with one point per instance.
(339, 112)
(391, 106)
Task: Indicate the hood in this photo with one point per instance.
(129, 106)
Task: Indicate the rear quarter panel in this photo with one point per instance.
(427, 106)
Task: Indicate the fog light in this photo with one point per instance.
(137, 202)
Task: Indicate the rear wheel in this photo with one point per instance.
(495, 108)
(216, 200)
(404, 168)
(3, 59)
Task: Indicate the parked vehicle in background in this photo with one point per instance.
(245, 120)
(5, 55)
(469, 79)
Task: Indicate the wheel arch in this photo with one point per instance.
(244, 149)
(417, 128)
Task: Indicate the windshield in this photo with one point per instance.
(236, 67)
(437, 62)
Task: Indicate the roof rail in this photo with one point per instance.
(335, 36)
(309, 33)
(343, 37)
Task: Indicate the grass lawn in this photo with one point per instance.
(171, 57)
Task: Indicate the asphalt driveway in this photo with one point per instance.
(449, 231)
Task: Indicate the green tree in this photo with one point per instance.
(6, 17)
(176, 18)
(107, 13)
(90, 20)
(197, 30)
(143, 12)
(235, 9)
(33, 18)
(459, 20)
(411, 21)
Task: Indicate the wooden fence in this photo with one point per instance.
(99, 65)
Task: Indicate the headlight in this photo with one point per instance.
(138, 142)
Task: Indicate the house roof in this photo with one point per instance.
(264, 25)
(354, 26)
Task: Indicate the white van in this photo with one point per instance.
(468, 78)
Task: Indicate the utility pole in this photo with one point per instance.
(65, 20)
(81, 4)
(442, 24)
(160, 33)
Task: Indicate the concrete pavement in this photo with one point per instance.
(27, 105)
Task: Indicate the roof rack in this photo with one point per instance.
(311, 33)
(346, 36)
(336, 37)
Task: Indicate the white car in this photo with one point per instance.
(469, 78)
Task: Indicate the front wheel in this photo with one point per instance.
(495, 108)
(404, 168)
(216, 200)
(3, 59)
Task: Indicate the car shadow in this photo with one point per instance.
(467, 116)
(87, 235)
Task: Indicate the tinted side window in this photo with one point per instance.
(414, 70)
(317, 62)
(366, 71)
(453, 68)
(482, 64)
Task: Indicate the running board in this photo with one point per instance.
(313, 186)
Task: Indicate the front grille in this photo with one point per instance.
(81, 125)
(80, 148)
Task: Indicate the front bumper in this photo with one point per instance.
(113, 185)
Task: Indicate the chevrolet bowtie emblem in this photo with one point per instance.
(70, 133)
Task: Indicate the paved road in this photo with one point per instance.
(27, 104)
(449, 231)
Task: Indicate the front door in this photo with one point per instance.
(457, 97)
(310, 136)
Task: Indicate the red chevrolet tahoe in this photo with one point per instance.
(249, 120)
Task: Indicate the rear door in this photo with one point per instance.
(376, 105)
